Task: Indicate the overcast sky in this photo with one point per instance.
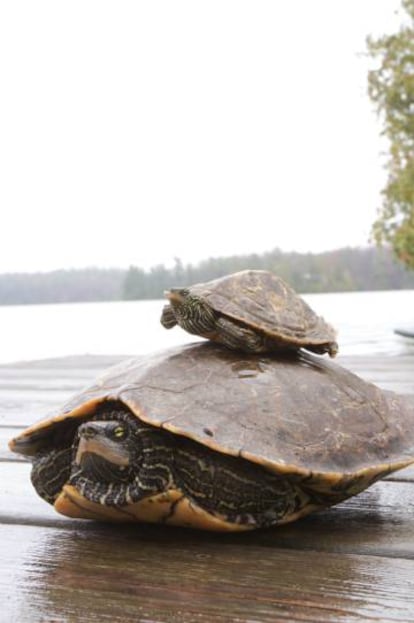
(136, 132)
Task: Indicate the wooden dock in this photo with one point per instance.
(351, 563)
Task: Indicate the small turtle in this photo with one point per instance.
(200, 436)
(253, 311)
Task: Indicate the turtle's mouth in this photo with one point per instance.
(103, 447)
(102, 453)
(176, 296)
(94, 468)
(96, 460)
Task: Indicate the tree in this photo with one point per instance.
(135, 284)
(391, 88)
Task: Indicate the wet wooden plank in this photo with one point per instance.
(30, 390)
(19, 503)
(79, 364)
(109, 576)
(23, 407)
(5, 455)
(379, 364)
(391, 373)
(406, 474)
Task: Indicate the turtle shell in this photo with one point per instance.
(299, 417)
(264, 302)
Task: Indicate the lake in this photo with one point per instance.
(365, 322)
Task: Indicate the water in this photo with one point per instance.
(365, 323)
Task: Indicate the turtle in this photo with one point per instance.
(253, 311)
(202, 437)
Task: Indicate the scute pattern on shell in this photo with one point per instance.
(298, 415)
(264, 301)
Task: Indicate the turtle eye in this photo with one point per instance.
(118, 432)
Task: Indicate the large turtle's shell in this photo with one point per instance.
(263, 301)
(295, 415)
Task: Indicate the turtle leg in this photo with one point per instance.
(168, 319)
(50, 471)
(236, 337)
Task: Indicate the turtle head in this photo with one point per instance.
(178, 296)
(188, 310)
(111, 458)
(105, 451)
(108, 440)
(94, 452)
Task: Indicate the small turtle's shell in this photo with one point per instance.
(263, 301)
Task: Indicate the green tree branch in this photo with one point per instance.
(391, 89)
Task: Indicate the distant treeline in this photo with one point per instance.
(62, 286)
(333, 271)
(341, 270)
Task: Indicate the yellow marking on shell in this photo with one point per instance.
(189, 515)
(170, 507)
(71, 504)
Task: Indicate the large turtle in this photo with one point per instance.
(200, 436)
(252, 311)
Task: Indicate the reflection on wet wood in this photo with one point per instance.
(114, 575)
(350, 563)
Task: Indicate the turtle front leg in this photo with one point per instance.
(50, 471)
(168, 319)
(237, 337)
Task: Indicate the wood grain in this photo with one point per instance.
(31, 390)
(108, 575)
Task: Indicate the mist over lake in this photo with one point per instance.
(365, 322)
